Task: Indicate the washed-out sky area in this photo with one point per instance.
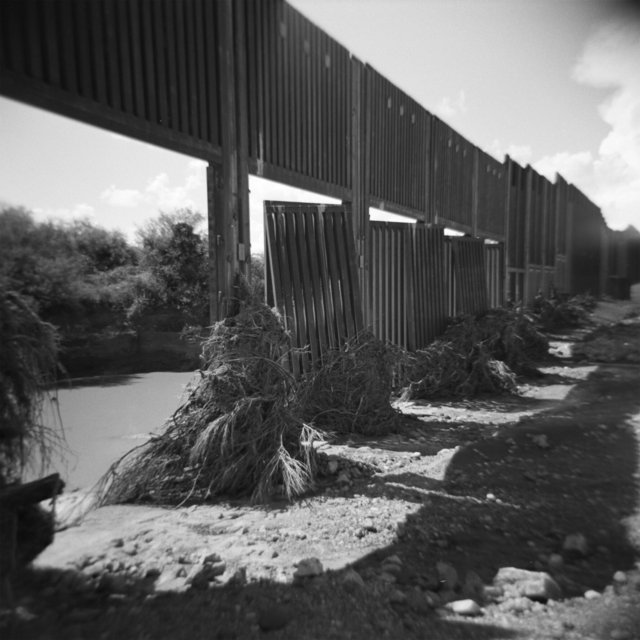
(553, 83)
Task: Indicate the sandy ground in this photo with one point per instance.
(468, 487)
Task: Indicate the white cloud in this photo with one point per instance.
(121, 197)
(159, 193)
(449, 107)
(610, 59)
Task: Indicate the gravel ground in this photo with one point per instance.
(407, 536)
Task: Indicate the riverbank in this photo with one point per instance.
(407, 536)
(129, 352)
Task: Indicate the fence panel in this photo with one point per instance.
(430, 283)
(390, 291)
(494, 266)
(469, 275)
(491, 195)
(398, 130)
(150, 67)
(452, 177)
(298, 97)
(588, 229)
(517, 206)
(312, 276)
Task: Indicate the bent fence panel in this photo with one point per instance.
(469, 275)
(494, 265)
(312, 277)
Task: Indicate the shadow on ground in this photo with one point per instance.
(507, 498)
(511, 499)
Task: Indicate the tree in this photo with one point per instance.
(175, 257)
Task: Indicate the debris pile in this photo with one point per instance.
(555, 313)
(477, 355)
(351, 391)
(238, 432)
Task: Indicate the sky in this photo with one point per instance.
(553, 83)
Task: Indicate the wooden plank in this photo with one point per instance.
(192, 68)
(212, 73)
(68, 32)
(125, 55)
(182, 67)
(167, 84)
(214, 190)
(114, 88)
(296, 36)
(148, 57)
(271, 75)
(316, 285)
(51, 44)
(242, 141)
(295, 266)
(253, 96)
(136, 59)
(82, 50)
(162, 26)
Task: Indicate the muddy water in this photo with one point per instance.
(104, 417)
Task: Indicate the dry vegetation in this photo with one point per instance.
(477, 355)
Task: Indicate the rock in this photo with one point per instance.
(620, 634)
(274, 617)
(397, 597)
(419, 602)
(344, 478)
(369, 525)
(114, 583)
(591, 594)
(620, 577)
(23, 614)
(491, 593)
(416, 455)
(308, 568)
(432, 598)
(332, 467)
(448, 575)
(541, 441)
(576, 543)
(239, 577)
(429, 581)
(518, 605)
(392, 568)
(535, 585)
(210, 558)
(473, 586)
(352, 580)
(555, 562)
(466, 607)
(387, 577)
(117, 542)
(393, 559)
(200, 576)
(153, 572)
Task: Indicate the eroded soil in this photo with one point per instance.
(477, 485)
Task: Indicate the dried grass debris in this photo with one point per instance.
(351, 391)
(477, 355)
(238, 432)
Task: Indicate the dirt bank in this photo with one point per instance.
(402, 527)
